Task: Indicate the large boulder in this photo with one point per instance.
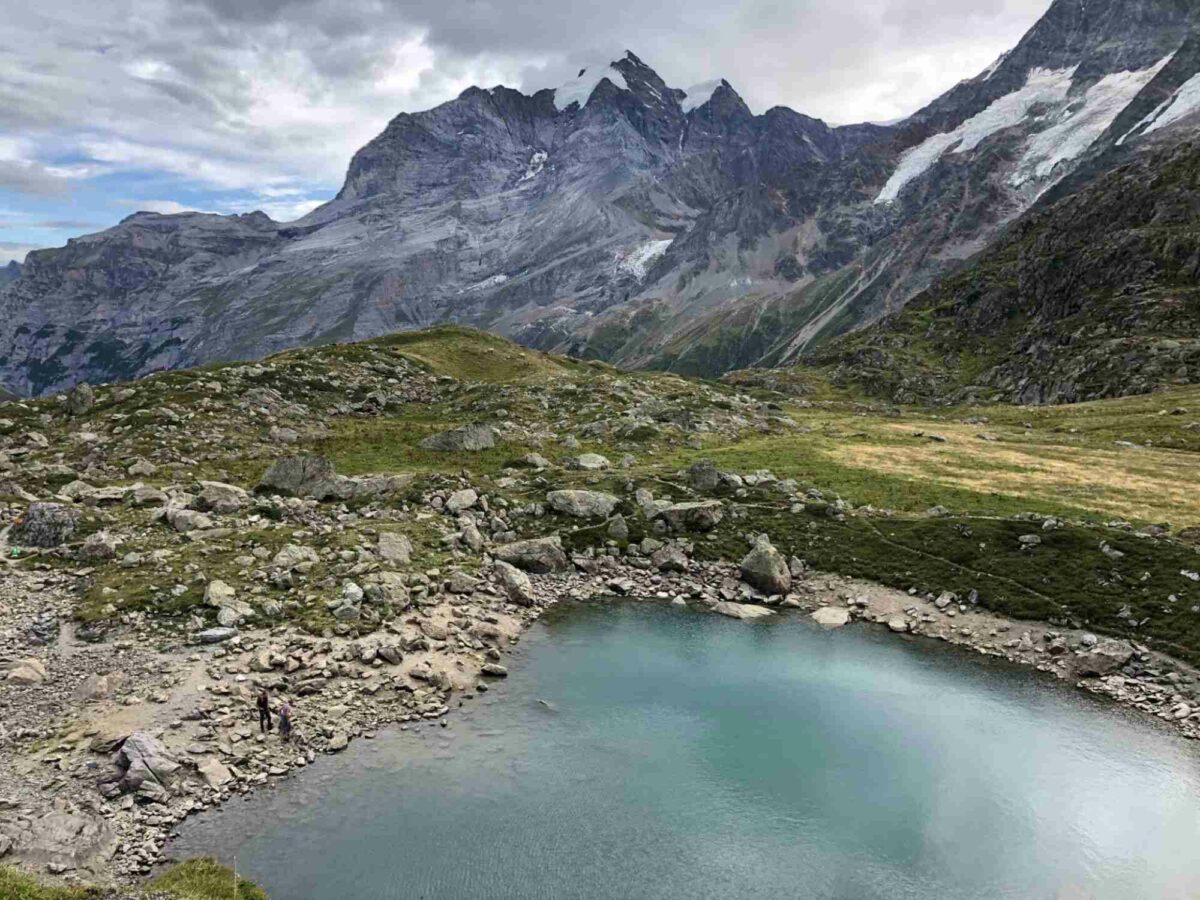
(305, 476)
(704, 475)
(1103, 659)
(186, 520)
(81, 399)
(516, 584)
(143, 766)
(394, 548)
(539, 555)
(45, 525)
(588, 462)
(765, 568)
(65, 839)
(468, 438)
(702, 515)
(221, 498)
(461, 500)
(582, 504)
(26, 672)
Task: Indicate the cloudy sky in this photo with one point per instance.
(111, 106)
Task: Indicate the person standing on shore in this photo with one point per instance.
(285, 722)
(264, 711)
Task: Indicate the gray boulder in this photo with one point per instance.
(516, 584)
(394, 548)
(702, 515)
(305, 476)
(468, 438)
(582, 504)
(744, 611)
(1103, 659)
(221, 498)
(765, 568)
(81, 399)
(45, 525)
(143, 766)
(703, 475)
(539, 555)
(588, 462)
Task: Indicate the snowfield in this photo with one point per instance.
(644, 256)
(1043, 86)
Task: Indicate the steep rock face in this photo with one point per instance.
(10, 272)
(617, 217)
(1096, 296)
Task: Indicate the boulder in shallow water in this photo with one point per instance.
(831, 616)
(743, 611)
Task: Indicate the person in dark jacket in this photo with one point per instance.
(264, 711)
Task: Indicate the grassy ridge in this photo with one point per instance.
(196, 879)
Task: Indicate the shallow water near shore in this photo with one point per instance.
(641, 750)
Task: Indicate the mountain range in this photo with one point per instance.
(619, 218)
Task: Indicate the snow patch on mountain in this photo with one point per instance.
(493, 281)
(1082, 122)
(537, 162)
(1043, 86)
(699, 94)
(579, 89)
(1186, 102)
(638, 262)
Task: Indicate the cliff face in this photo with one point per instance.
(620, 218)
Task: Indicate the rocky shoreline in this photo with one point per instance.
(194, 706)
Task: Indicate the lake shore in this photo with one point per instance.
(198, 702)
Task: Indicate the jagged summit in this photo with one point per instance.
(616, 216)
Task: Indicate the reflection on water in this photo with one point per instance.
(645, 751)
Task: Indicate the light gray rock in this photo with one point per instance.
(582, 504)
(745, 611)
(517, 586)
(26, 672)
(394, 548)
(703, 475)
(701, 516)
(461, 500)
(539, 555)
(831, 616)
(468, 439)
(589, 462)
(221, 498)
(765, 568)
(216, 635)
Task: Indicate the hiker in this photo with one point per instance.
(285, 722)
(264, 711)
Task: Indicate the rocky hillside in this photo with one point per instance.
(616, 217)
(1095, 296)
(366, 529)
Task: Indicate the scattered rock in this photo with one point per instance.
(582, 504)
(468, 438)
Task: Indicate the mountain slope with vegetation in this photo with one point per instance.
(1096, 296)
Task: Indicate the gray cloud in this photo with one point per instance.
(30, 178)
(252, 94)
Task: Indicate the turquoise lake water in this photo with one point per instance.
(640, 750)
